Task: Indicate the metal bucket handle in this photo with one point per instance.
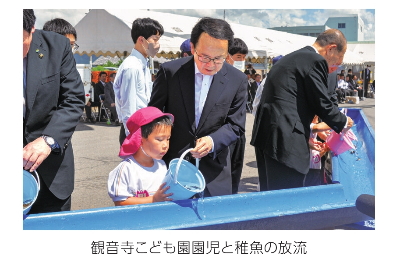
(179, 164)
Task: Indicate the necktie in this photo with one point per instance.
(197, 100)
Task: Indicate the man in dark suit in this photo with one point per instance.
(366, 76)
(297, 91)
(207, 96)
(98, 89)
(53, 101)
(109, 98)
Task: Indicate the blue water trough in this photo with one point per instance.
(318, 207)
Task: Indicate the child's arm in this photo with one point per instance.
(157, 197)
(320, 127)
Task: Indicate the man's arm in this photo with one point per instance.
(71, 100)
(316, 93)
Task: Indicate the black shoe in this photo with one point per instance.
(92, 120)
(116, 123)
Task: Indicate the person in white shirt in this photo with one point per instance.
(133, 82)
(260, 87)
(343, 86)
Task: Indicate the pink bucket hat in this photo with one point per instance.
(141, 117)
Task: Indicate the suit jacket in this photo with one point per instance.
(252, 88)
(366, 74)
(54, 102)
(352, 85)
(109, 95)
(98, 89)
(297, 90)
(223, 117)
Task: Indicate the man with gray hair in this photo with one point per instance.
(297, 91)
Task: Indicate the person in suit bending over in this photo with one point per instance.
(297, 91)
(53, 102)
(207, 96)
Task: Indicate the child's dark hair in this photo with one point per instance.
(161, 121)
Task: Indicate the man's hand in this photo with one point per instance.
(88, 103)
(203, 147)
(350, 123)
(34, 153)
(113, 104)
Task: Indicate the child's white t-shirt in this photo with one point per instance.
(130, 179)
(315, 158)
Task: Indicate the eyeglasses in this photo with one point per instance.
(74, 47)
(203, 59)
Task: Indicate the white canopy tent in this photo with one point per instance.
(366, 50)
(108, 33)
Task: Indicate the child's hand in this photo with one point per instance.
(160, 194)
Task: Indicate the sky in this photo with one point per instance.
(265, 18)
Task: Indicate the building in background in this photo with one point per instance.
(352, 27)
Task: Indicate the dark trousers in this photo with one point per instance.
(88, 110)
(47, 202)
(366, 82)
(276, 175)
(113, 110)
(314, 177)
(122, 135)
(237, 158)
(262, 169)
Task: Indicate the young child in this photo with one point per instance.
(137, 179)
(315, 175)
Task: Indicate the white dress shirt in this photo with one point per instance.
(132, 86)
(202, 85)
(257, 97)
(342, 84)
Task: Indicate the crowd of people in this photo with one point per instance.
(196, 102)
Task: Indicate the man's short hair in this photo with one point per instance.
(145, 27)
(29, 20)
(332, 36)
(113, 74)
(102, 72)
(216, 28)
(238, 47)
(341, 75)
(61, 26)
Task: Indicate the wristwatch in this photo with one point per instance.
(51, 142)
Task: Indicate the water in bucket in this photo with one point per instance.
(31, 186)
(184, 179)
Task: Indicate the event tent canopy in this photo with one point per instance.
(108, 33)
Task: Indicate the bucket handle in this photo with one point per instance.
(179, 164)
(36, 176)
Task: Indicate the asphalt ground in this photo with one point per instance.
(96, 148)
